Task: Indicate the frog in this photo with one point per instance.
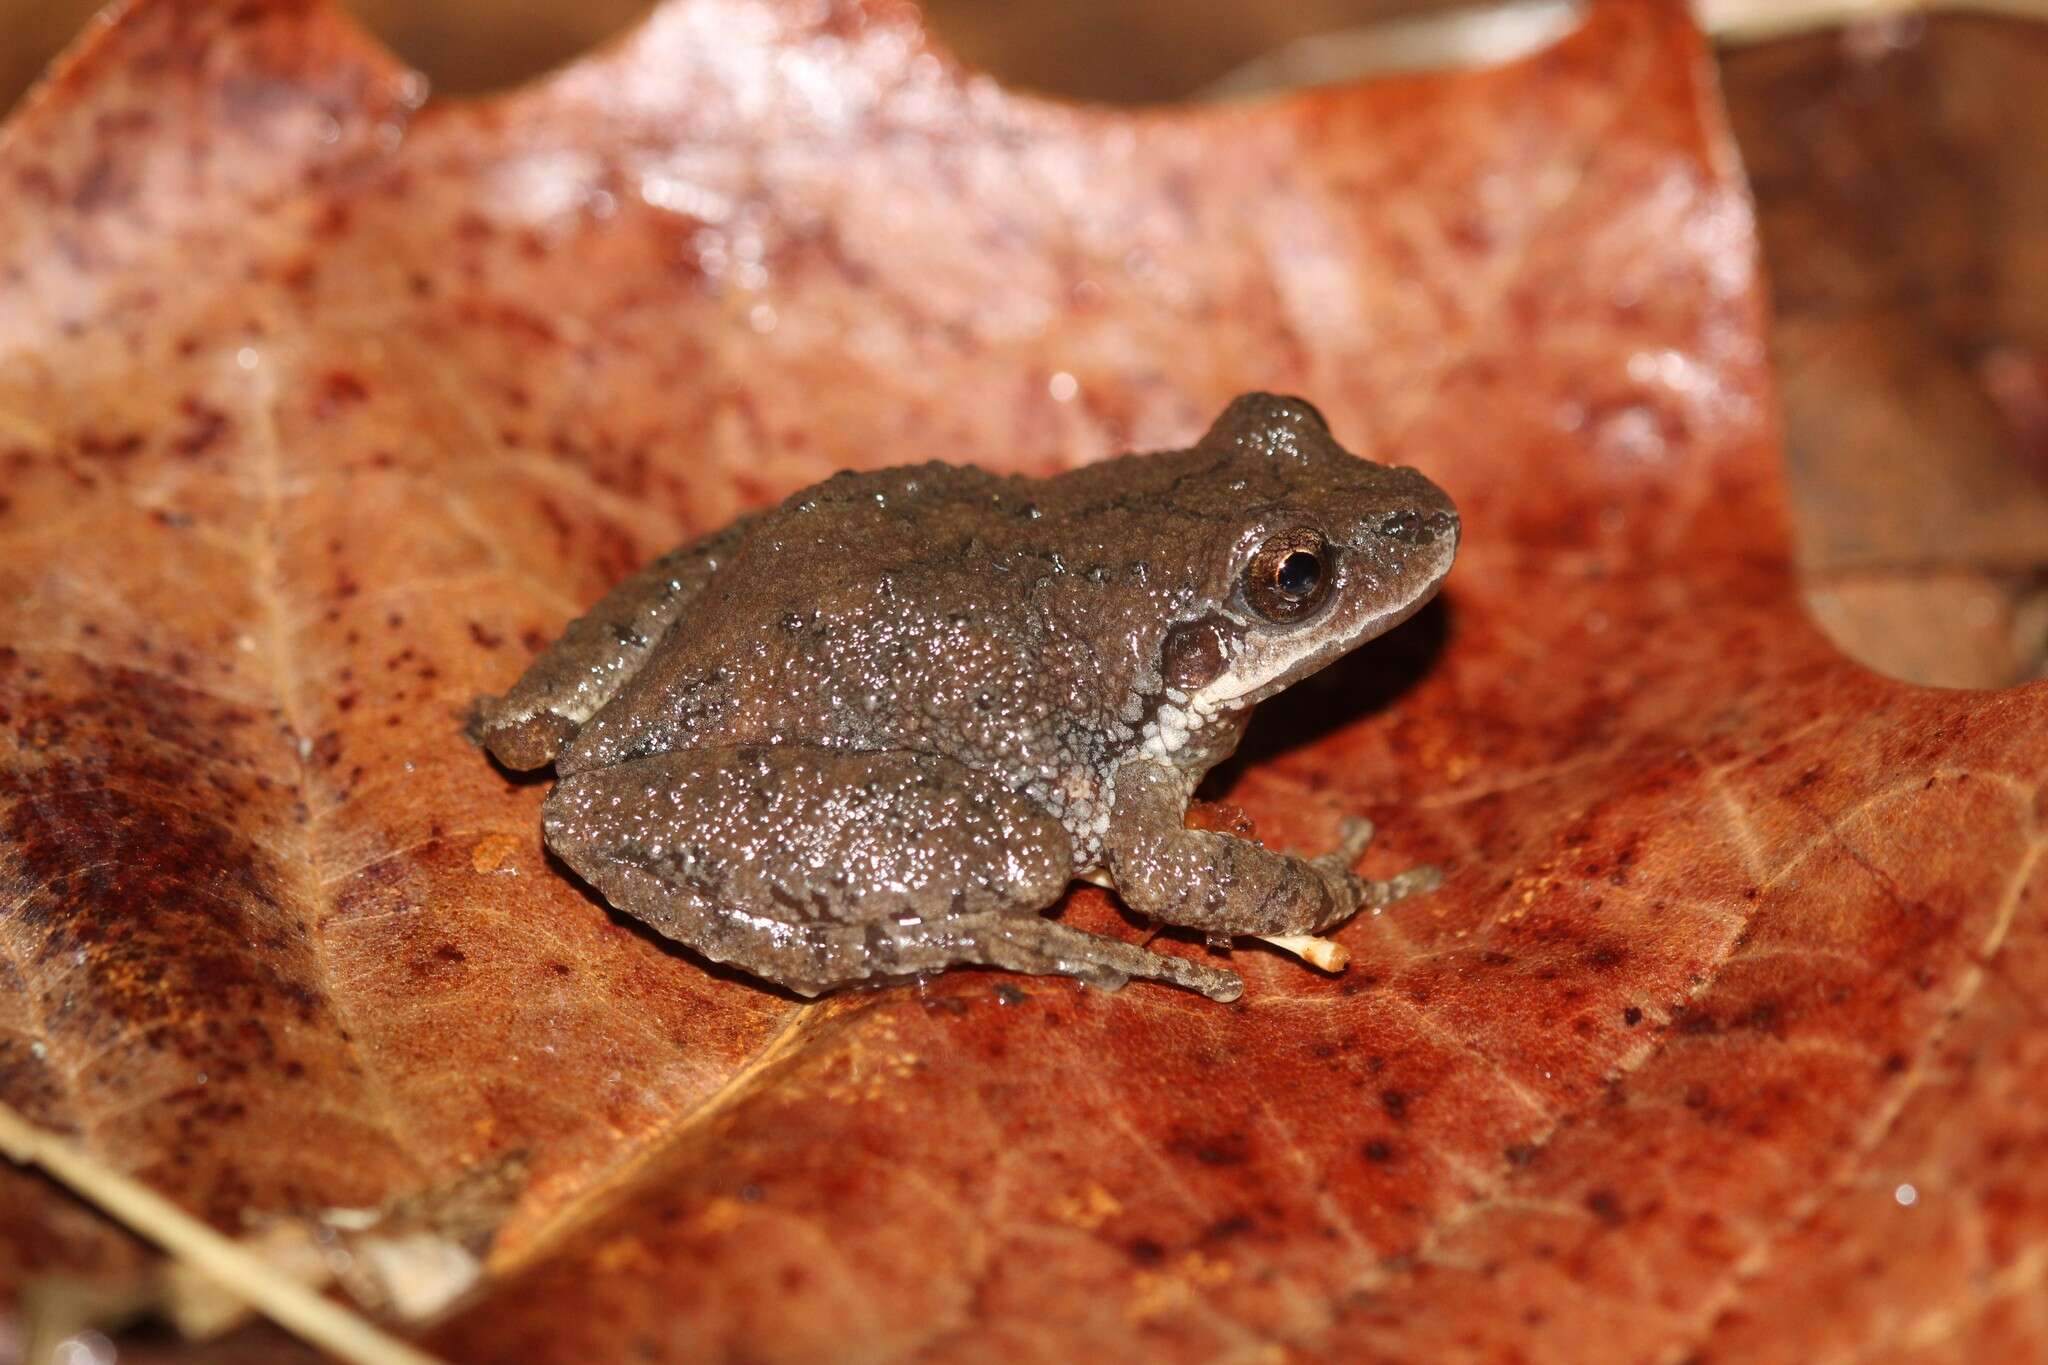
(879, 729)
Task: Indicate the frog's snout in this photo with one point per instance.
(1409, 532)
(1407, 509)
(1415, 529)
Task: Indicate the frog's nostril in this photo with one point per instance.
(1409, 527)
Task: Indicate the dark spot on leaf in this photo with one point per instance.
(1227, 1149)
(1605, 1205)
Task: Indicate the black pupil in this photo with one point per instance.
(1299, 574)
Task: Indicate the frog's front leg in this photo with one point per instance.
(1208, 880)
(570, 681)
(817, 867)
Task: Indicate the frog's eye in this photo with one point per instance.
(1289, 576)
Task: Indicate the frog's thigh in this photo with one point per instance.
(570, 681)
(815, 867)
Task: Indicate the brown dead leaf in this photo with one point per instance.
(1905, 223)
(320, 410)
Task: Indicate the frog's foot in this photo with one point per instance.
(1324, 954)
(1040, 947)
(1352, 841)
(1225, 885)
(1414, 882)
(1364, 894)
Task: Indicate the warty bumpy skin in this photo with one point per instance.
(876, 730)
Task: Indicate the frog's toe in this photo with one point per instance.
(1221, 986)
(1421, 878)
(1217, 983)
(1102, 978)
(1354, 837)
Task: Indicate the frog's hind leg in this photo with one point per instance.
(817, 867)
(569, 681)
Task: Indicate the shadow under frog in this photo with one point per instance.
(878, 729)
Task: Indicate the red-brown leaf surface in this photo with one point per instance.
(320, 410)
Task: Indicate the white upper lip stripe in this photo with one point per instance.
(1233, 685)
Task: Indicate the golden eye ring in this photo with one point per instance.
(1290, 575)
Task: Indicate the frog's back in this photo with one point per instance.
(868, 611)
